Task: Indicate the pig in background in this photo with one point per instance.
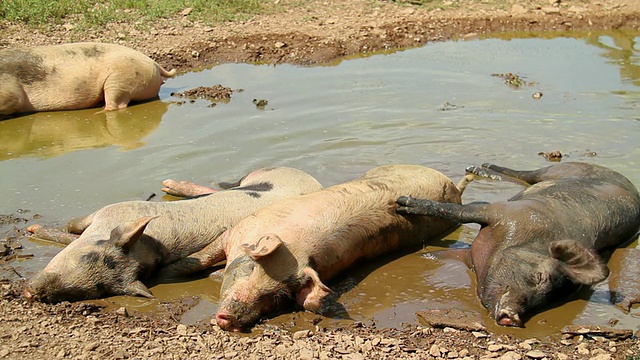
(290, 249)
(76, 76)
(123, 244)
(541, 244)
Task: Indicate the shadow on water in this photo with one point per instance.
(337, 122)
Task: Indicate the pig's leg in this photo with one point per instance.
(52, 234)
(531, 177)
(185, 188)
(479, 213)
(115, 95)
(79, 225)
(201, 260)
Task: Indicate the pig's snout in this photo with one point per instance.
(506, 317)
(223, 321)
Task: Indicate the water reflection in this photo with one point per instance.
(620, 47)
(49, 134)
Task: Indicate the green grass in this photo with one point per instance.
(99, 12)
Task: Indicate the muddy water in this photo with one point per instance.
(438, 105)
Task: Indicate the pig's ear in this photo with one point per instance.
(137, 288)
(580, 264)
(263, 246)
(312, 293)
(126, 235)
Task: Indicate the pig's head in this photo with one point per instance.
(520, 280)
(263, 279)
(92, 269)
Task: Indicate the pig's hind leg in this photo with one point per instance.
(470, 213)
(495, 172)
(530, 177)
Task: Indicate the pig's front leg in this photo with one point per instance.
(201, 260)
(185, 188)
(52, 234)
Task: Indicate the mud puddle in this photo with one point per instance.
(438, 106)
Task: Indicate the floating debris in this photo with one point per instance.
(552, 156)
(211, 93)
(515, 81)
(260, 103)
(449, 106)
(536, 95)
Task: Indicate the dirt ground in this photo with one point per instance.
(308, 32)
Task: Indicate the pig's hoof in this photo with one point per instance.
(185, 188)
(483, 171)
(33, 228)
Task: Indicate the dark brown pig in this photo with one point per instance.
(539, 245)
(288, 250)
(76, 76)
(125, 243)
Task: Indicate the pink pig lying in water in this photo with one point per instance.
(76, 76)
(123, 244)
(288, 250)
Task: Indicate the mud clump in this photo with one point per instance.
(214, 94)
(513, 80)
(554, 156)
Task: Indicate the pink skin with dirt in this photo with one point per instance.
(76, 76)
(123, 244)
(289, 250)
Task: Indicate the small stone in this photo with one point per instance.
(601, 357)
(536, 354)
(280, 44)
(495, 347)
(4, 352)
(122, 311)
(434, 350)
(517, 9)
(510, 355)
(524, 345)
(92, 346)
(562, 356)
(306, 354)
(186, 11)
(582, 349)
(93, 320)
(479, 335)
(181, 329)
(550, 10)
(231, 355)
(302, 334)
